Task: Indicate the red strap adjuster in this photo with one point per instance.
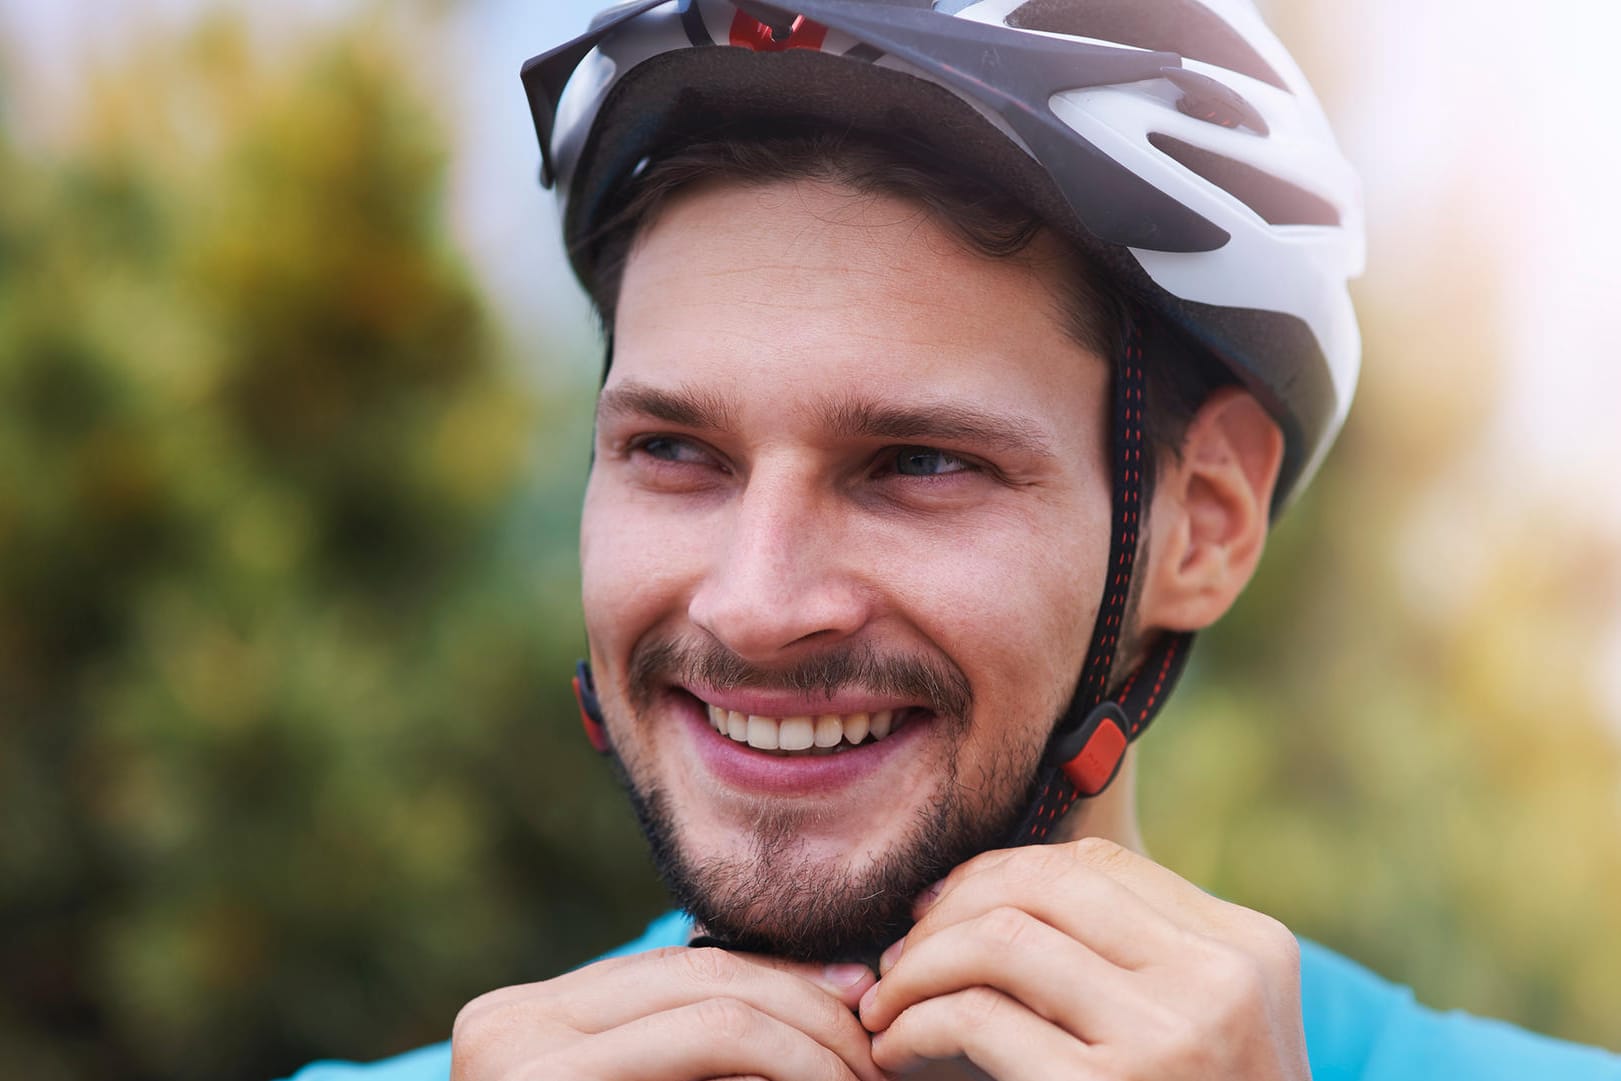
(1091, 755)
(585, 693)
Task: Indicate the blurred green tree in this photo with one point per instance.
(282, 709)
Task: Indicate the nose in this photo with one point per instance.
(780, 577)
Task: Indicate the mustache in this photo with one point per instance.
(938, 684)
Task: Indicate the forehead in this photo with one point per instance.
(799, 293)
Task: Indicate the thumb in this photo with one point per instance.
(845, 982)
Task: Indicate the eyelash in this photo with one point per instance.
(886, 462)
(894, 455)
(687, 453)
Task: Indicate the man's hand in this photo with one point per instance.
(674, 1014)
(1086, 961)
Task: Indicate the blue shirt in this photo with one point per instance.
(1358, 1028)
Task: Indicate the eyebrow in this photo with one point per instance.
(942, 422)
(849, 418)
(685, 406)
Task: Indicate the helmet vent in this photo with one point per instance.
(1184, 27)
(1277, 201)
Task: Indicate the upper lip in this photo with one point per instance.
(763, 703)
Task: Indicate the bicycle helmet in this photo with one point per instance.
(1174, 141)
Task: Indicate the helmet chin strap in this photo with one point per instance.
(1089, 742)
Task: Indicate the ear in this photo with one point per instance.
(1210, 514)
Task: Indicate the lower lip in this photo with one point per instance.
(737, 765)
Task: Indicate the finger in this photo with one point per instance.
(683, 977)
(843, 981)
(1011, 951)
(717, 1037)
(1064, 891)
(1183, 903)
(992, 1031)
(1160, 886)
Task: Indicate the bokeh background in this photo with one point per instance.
(293, 401)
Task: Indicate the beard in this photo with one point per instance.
(776, 900)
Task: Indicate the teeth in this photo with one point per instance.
(829, 730)
(881, 722)
(856, 726)
(762, 733)
(796, 734)
(825, 734)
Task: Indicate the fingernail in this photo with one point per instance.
(865, 1006)
(926, 899)
(890, 956)
(844, 977)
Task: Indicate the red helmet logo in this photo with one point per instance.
(750, 33)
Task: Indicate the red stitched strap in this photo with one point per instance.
(1160, 671)
(1127, 497)
(1147, 687)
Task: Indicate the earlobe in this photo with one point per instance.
(1210, 514)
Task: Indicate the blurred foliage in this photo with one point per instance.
(288, 765)
(286, 757)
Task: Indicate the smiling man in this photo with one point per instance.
(960, 356)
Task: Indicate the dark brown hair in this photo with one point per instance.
(983, 216)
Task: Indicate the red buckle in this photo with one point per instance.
(1091, 754)
(750, 33)
(593, 729)
(1093, 769)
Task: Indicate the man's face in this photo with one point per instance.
(848, 475)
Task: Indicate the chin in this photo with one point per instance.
(785, 895)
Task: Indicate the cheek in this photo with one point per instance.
(634, 572)
(1012, 605)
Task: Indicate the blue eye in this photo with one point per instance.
(927, 462)
(669, 449)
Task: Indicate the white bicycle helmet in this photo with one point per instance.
(1174, 141)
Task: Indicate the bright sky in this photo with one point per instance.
(1494, 103)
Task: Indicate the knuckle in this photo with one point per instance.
(1189, 1056)
(1280, 943)
(1100, 853)
(473, 1013)
(727, 1018)
(664, 953)
(488, 1012)
(1038, 868)
(708, 965)
(1240, 976)
(983, 862)
(977, 1009)
(487, 1027)
(829, 1067)
(1005, 927)
(1183, 1048)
